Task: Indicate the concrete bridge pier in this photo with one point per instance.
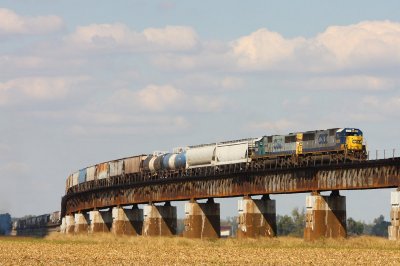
(257, 217)
(127, 221)
(69, 224)
(81, 223)
(159, 220)
(325, 216)
(202, 220)
(100, 221)
(394, 228)
(63, 226)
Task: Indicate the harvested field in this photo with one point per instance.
(108, 250)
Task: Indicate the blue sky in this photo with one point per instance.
(85, 82)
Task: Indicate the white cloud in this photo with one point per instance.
(172, 37)
(118, 35)
(159, 98)
(104, 35)
(366, 44)
(209, 55)
(36, 88)
(166, 98)
(263, 48)
(12, 23)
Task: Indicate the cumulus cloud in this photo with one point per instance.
(159, 98)
(166, 99)
(366, 44)
(12, 23)
(209, 55)
(263, 48)
(118, 35)
(153, 98)
(171, 37)
(36, 88)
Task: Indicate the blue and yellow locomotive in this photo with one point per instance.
(332, 144)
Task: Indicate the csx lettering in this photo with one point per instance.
(356, 141)
(277, 144)
(323, 139)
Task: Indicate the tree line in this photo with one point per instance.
(294, 225)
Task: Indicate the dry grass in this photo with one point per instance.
(107, 250)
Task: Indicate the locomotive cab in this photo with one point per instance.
(350, 139)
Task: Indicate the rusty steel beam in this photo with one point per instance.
(363, 175)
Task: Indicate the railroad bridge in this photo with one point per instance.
(83, 206)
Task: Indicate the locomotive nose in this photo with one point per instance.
(354, 142)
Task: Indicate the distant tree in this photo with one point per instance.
(368, 229)
(231, 221)
(355, 227)
(285, 225)
(299, 221)
(380, 227)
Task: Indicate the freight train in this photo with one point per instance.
(294, 149)
(40, 225)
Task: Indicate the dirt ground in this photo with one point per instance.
(108, 250)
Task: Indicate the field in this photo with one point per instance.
(108, 250)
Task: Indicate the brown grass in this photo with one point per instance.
(108, 250)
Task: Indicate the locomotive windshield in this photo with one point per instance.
(353, 132)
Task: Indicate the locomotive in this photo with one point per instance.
(293, 149)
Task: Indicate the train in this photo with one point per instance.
(293, 149)
(40, 225)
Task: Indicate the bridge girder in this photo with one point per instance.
(119, 191)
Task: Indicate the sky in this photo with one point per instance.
(82, 82)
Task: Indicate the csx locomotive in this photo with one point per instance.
(294, 149)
